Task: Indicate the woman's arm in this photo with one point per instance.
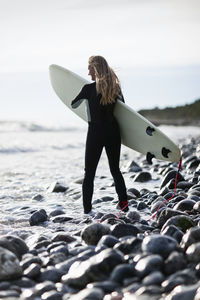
(79, 98)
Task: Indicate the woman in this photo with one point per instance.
(103, 130)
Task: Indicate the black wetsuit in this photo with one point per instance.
(103, 131)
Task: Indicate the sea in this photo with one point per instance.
(35, 155)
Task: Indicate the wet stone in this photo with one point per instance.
(155, 278)
(50, 274)
(166, 214)
(159, 244)
(14, 244)
(93, 294)
(193, 252)
(175, 262)
(185, 205)
(108, 241)
(120, 230)
(190, 237)
(171, 175)
(9, 267)
(148, 264)
(183, 222)
(143, 177)
(62, 236)
(122, 272)
(174, 232)
(32, 271)
(95, 269)
(38, 217)
(93, 233)
(56, 187)
(131, 245)
(184, 277)
(106, 286)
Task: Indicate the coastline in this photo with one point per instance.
(55, 251)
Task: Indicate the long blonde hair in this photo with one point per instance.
(107, 82)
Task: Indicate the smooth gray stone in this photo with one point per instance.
(38, 217)
(148, 264)
(183, 222)
(90, 294)
(159, 244)
(190, 237)
(193, 252)
(94, 269)
(93, 233)
(186, 204)
(175, 262)
(155, 278)
(108, 240)
(9, 267)
(122, 272)
(120, 230)
(14, 244)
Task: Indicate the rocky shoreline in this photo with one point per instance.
(114, 255)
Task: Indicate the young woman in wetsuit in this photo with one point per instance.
(103, 130)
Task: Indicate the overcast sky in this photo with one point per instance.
(135, 36)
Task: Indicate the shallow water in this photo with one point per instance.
(33, 156)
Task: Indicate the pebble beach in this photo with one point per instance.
(50, 250)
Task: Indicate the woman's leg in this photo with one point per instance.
(93, 152)
(113, 148)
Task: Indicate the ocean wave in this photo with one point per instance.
(21, 126)
(15, 150)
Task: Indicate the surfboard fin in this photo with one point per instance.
(165, 152)
(150, 130)
(149, 157)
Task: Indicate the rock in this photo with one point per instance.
(155, 278)
(182, 221)
(141, 205)
(122, 272)
(56, 187)
(171, 175)
(184, 277)
(38, 197)
(184, 185)
(133, 215)
(33, 271)
(193, 252)
(14, 244)
(186, 204)
(50, 274)
(38, 217)
(61, 219)
(190, 237)
(120, 230)
(63, 236)
(135, 192)
(108, 241)
(56, 212)
(166, 214)
(159, 244)
(9, 267)
(175, 262)
(93, 294)
(96, 268)
(158, 204)
(148, 264)
(133, 167)
(107, 286)
(174, 232)
(131, 245)
(142, 177)
(107, 216)
(52, 295)
(196, 207)
(183, 292)
(93, 233)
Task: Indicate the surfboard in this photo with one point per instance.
(136, 131)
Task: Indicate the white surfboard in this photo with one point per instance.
(137, 132)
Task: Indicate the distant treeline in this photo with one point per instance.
(188, 114)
